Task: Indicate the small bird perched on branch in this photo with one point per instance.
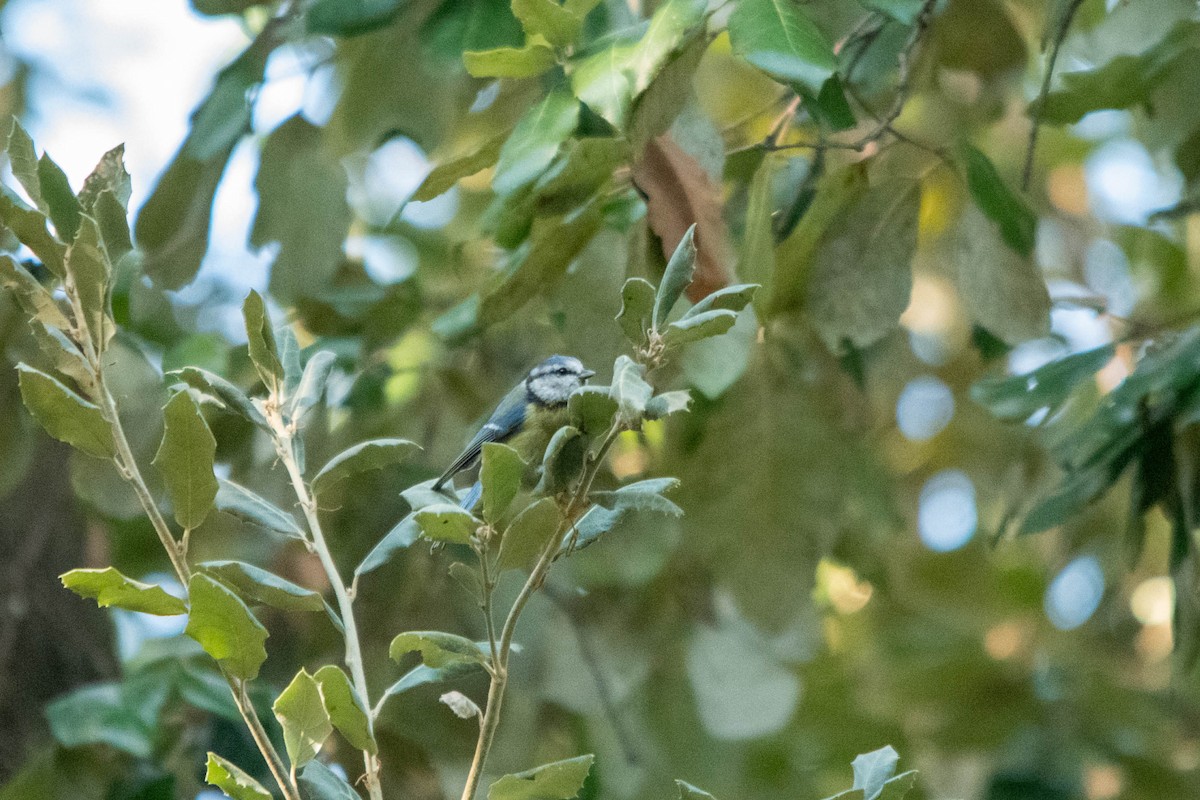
(526, 419)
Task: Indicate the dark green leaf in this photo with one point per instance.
(185, 460)
(368, 455)
(448, 173)
(62, 205)
(233, 398)
(398, 538)
(260, 586)
(777, 37)
(302, 715)
(104, 715)
(509, 62)
(65, 415)
(561, 780)
(247, 506)
(89, 271)
(529, 535)
(319, 782)
(1018, 224)
(261, 341)
(563, 461)
(757, 259)
(233, 781)
(29, 227)
(501, 475)
(1003, 290)
(113, 220)
(611, 508)
(897, 788)
(437, 649)
(225, 628)
(422, 675)
(680, 269)
(445, 522)
(903, 11)
(350, 17)
(535, 141)
(1016, 397)
(110, 588)
(576, 175)
(23, 160)
(346, 709)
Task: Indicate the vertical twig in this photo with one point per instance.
(1060, 35)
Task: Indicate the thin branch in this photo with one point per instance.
(1060, 35)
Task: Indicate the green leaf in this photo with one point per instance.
(539, 267)
(437, 649)
(604, 81)
(757, 259)
(225, 628)
(680, 269)
(61, 203)
(862, 275)
(23, 160)
(689, 792)
(509, 62)
(1002, 290)
(89, 270)
(109, 175)
(872, 770)
(346, 709)
(501, 476)
(65, 415)
(448, 173)
(247, 506)
(350, 17)
(1017, 397)
(34, 298)
(64, 354)
(591, 409)
(261, 341)
(368, 455)
(612, 508)
(732, 298)
(1018, 224)
(108, 587)
(311, 388)
(400, 537)
(529, 535)
(445, 522)
(898, 787)
(561, 780)
(637, 307)
(113, 220)
(104, 714)
(302, 715)
(319, 782)
(630, 390)
(233, 781)
(659, 106)
(233, 398)
(260, 586)
(29, 227)
(546, 18)
(302, 205)
(666, 34)
(692, 328)
(185, 460)
(422, 675)
(777, 37)
(576, 175)
(535, 141)
(563, 460)
(903, 11)
(668, 403)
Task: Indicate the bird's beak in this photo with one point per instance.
(587, 373)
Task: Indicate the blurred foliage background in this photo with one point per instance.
(853, 567)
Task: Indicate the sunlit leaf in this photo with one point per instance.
(231, 780)
(346, 709)
(110, 588)
(261, 586)
(535, 141)
(447, 523)
(778, 38)
(509, 62)
(65, 415)
(225, 628)
(437, 649)
(302, 715)
(501, 476)
(561, 780)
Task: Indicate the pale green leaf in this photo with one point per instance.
(509, 62)
(535, 141)
(872, 770)
(34, 298)
(591, 409)
(667, 32)
(1003, 291)
(529, 535)
(692, 328)
(346, 709)
(368, 455)
(240, 502)
(65, 415)
(302, 715)
(317, 781)
(89, 271)
(233, 398)
(437, 649)
(678, 274)
(604, 81)
(448, 173)
(637, 308)
(311, 388)
(501, 475)
(261, 341)
(231, 780)
(668, 403)
(555, 23)
(731, 298)
(560, 780)
(563, 460)
(630, 390)
(225, 628)
(689, 792)
(185, 460)
(445, 522)
(29, 226)
(23, 160)
(108, 587)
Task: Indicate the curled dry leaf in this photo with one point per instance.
(679, 193)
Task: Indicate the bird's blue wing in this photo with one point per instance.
(506, 421)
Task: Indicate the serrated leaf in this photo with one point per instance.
(1002, 290)
(29, 226)
(1018, 223)
(591, 409)
(862, 271)
(446, 523)
(611, 508)
(225, 628)
(233, 398)
(33, 297)
(668, 403)
(561, 780)
(302, 715)
(437, 649)
(680, 270)
(109, 175)
(630, 390)
(311, 388)
(233, 781)
(346, 709)
(261, 586)
(872, 770)
(730, 298)
(501, 475)
(319, 782)
(23, 160)
(637, 309)
(261, 341)
(689, 792)
(529, 535)
(535, 141)
(240, 502)
(368, 455)
(777, 37)
(108, 587)
(89, 271)
(61, 203)
(185, 460)
(692, 328)
(65, 415)
(509, 62)
(448, 173)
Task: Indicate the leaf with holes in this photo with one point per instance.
(108, 587)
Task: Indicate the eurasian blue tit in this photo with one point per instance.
(526, 419)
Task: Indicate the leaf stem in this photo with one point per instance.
(285, 447)
(1064, 25)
